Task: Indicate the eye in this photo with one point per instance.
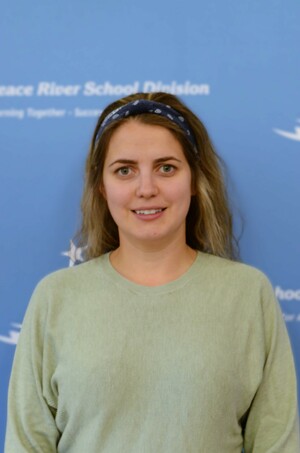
(167, 168)
(123, 171)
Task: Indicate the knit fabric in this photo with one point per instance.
(201, 364)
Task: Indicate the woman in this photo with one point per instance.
(160, 342)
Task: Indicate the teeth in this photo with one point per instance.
(148, 211)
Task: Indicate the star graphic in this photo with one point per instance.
(292, 135)
(13, 335)
(74, 254)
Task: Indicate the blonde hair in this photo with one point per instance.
(208, 222)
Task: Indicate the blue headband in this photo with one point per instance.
(145, 106)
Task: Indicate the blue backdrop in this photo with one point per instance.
(236, 64)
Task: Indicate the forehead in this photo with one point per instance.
(134, 136)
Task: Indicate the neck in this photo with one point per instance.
(150, 266)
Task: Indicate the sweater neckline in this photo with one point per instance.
(173, 285)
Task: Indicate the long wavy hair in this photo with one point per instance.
(208, 222)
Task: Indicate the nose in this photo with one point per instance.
(146, 185)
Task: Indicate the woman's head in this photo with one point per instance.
(208, 222)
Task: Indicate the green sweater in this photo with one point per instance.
(201, 364)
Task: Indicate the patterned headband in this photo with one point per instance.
(145, 106)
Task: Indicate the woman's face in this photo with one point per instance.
(147, 184)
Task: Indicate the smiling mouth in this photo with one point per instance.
(148, 211)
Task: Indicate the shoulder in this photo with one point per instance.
(65, 289)
(234, 275)
(222, 267)
(69, 281)
(243, 288)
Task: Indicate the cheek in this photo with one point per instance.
(183, 190)
(114, 194)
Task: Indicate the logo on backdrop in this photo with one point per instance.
(13, 335)
(287, 294)
(87, 90)
(294, 135)
(75, 254)
(107, 88)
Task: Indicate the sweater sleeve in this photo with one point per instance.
(272, 423)
(30, 420)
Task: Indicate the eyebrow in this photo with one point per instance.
(156, 161)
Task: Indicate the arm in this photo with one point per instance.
(272, 423)
(30, 421)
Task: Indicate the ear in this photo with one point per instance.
(193, 189)
(102, 190)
